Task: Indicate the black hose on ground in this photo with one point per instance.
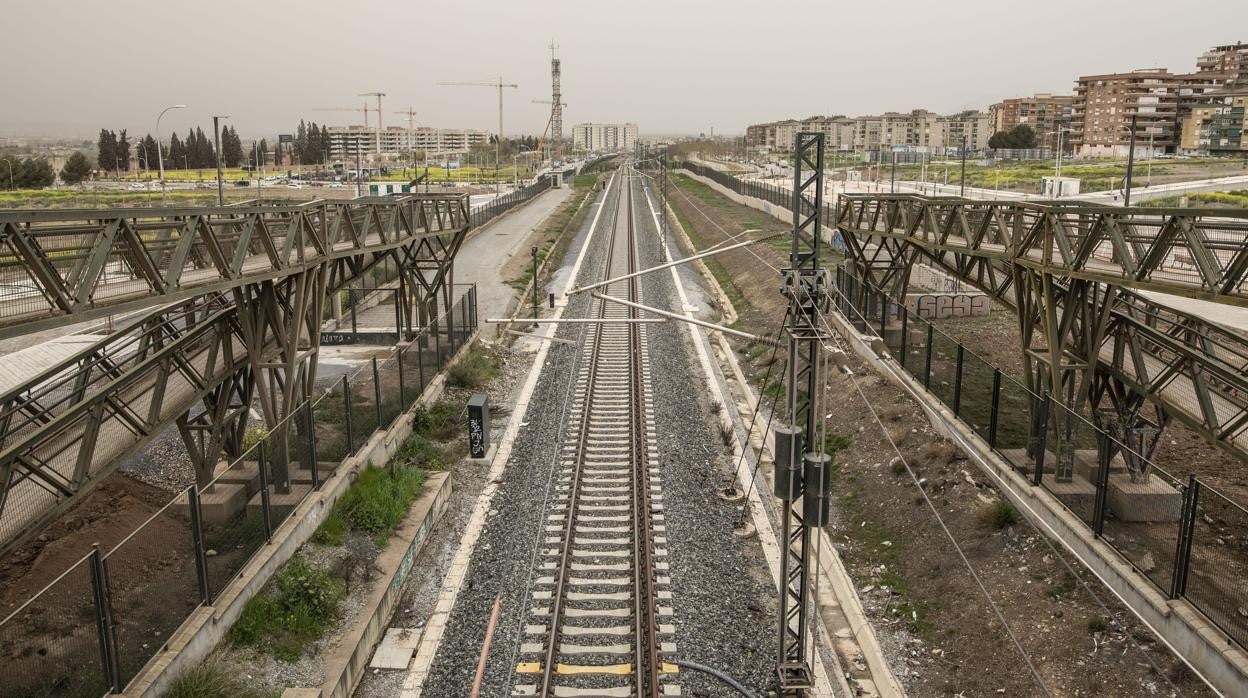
(717, 674)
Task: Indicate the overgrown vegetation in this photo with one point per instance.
(1213, 199)
(478, 367)
(999, 515)
(211, 680)
(295, 609)
(379, 500)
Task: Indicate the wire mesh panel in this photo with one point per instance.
(157, 556)
(1013, 426)
(233, 520)
(1142, 518)
(330, 415)
(976, 400)
(50, 647)
(391, 401)
(364, 419)
(1219, 563)
(944, 371)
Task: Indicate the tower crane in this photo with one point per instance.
(378, 95)
(499, 138)
(364, 109)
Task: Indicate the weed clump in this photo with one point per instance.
(999, 515)
(299, 605)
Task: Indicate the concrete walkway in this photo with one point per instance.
(481, 258)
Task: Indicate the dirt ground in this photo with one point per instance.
(938, 630)
(1181, 451)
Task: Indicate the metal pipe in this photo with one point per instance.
(485, 647)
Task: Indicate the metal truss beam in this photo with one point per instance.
(1054, 265)
(63, 267)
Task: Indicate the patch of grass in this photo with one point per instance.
(379, 499)
(835, 442)
(899, 467)
(332, 530)
(293, 611)
(1062, 589)
(212, 681)
(477, 368)
(1097, 625)
(999, 515)
(441, 421)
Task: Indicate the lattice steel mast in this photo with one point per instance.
(801, 464)
(556, 106)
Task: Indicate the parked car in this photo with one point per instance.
(242, 183)
(294, 185)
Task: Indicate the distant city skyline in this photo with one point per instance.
(672, 68)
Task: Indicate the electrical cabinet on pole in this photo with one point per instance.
(801, 473)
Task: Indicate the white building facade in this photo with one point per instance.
(397, 141)
(594, 137)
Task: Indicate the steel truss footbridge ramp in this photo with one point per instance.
(1095, 292)
(223, 309)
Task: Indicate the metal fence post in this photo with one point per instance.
(101, 600)
(354, 320)
(1041, 442)
(398, 315)
(1187, 530)
(264, 493)
(883, 316)
(197, 541)
(957, 383)
(905, 332)
(927, 364)
(420, 369)
(1102, 483)
(402, 393)
(377, 391)
(346, 413)
(996, 407)
(316, 470)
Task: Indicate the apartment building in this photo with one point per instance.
(919, 130)
(1104, 105)
(1044, 113)
(1218, 127)
(1230, 62)
(594, 137)
(397, 141)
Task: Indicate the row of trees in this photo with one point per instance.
(1021, 136)
(193, 151)
(25, 173)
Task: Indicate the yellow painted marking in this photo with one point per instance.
(669, 668)
(528, 668)
(593, 669)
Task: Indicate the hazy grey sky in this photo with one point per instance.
(672, 66)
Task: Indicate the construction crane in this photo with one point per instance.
(364, 109)
(499, 138)
(378, 95)
(555, 137)
(411, 132)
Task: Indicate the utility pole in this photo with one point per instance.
(962, 193)
(663, 230)
(499, 139)
(411, 135)
(1126, 197)
(216, 145)
(378, 95)
(359, 172)
(801, 465)
(892, 178)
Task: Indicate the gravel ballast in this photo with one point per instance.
(723, 598)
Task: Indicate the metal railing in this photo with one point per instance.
(502, 204)
(91, 630)
(1185, 536)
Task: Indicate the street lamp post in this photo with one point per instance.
(1126, 196)
(1057, 169)
(160, 158)
(216, 144)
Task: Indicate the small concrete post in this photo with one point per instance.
(478, 425)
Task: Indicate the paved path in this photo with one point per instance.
(481, 259)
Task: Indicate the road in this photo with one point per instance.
(482, 257)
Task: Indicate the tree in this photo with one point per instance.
(231, 148)
(1021, 136)
(147, 152)
(107, 150)
(173, 156)
(299, 149)
(123, 150)
(77, 168)
(30, 173)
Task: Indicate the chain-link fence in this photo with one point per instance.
(501, 204)
(92, 629)
(1185, 537)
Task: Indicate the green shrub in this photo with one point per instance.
(379, 499)
(331, 530)
(210, 680)
(254, 435)
(293, 611)
(477, 368)
(999, 515)
(440, 422)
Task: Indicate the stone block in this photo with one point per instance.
(303, 476)
(1154, 501)
(281, 502)
(222, 502)
(1078, 495)
(395, 649)
(246, 474)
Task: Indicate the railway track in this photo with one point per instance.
(601, 618)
